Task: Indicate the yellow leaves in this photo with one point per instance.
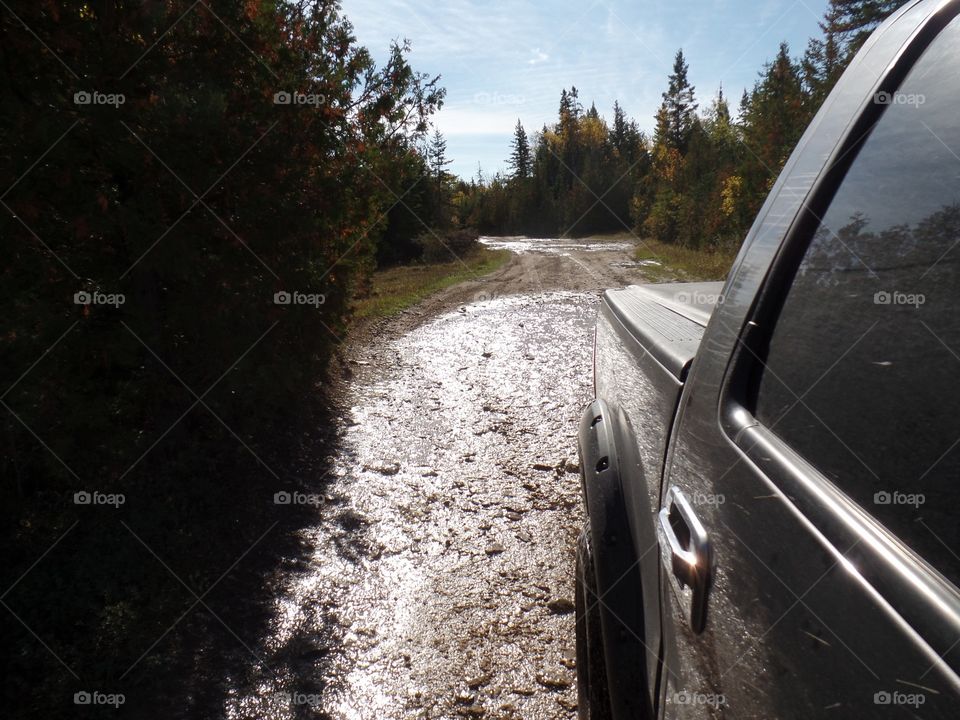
(730, 194)
(666, 162)
(593, 132)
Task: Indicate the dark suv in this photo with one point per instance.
(771, 468)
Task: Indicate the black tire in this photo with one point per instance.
(593, 698)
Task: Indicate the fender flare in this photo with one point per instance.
(617, 568)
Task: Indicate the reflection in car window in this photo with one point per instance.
(861, 373)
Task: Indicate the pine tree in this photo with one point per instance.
(679, 107)
(824, 59)
(519, 161)
(856, 19)
(438, 162)
(437, 156)
(775, 118)
(845, 26)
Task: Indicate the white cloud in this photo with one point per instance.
(538, 57)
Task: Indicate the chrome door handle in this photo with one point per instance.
(686, 555)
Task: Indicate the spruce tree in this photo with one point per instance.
(679, 107)
(519, 161)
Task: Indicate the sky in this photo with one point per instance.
(502, 60)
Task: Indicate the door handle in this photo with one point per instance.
(686, 555)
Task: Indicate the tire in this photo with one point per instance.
(593, 698)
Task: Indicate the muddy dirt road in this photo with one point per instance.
(443, 556)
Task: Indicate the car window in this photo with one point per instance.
(861, 375)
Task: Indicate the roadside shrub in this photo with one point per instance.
(223, 224)
(446, 246)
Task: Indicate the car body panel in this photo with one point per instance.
(813, 610)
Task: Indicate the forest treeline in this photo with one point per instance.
(191, 195)
(701, 177)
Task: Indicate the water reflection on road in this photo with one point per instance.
(445, 548)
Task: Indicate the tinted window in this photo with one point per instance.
(863, 363)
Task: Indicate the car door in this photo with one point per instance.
(808, 531)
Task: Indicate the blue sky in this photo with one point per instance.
(502, 60)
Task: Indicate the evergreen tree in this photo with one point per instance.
(438, 162)
(824, 58)
(856, 19)
(776, 116)
(519, 161)
(437, 156)
(679, 107)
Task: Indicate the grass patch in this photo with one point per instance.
(690, 264)
(398, 288)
